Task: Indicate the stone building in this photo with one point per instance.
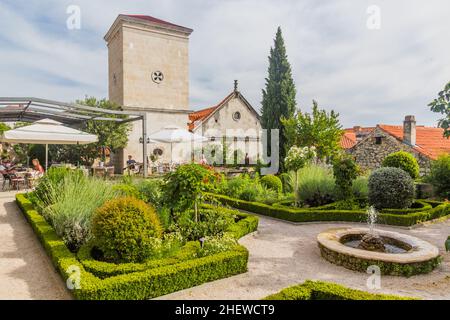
(371, 145)
(148, 63)
(232, 123)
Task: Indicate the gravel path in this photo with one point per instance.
(283, 254)
(26, 272)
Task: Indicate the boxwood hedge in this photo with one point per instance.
(401, 217)
(320, 290)
(246, 223)
(143, 284)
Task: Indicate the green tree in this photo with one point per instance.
(345, 171)
(110, 135)
(279, 94)
(442, 105)
(319, 129)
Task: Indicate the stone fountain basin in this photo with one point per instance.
(422, 253)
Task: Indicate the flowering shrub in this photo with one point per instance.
(216, 244)
(298, 157)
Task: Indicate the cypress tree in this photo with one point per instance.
(279, 95)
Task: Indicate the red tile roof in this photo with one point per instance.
(348, 140)
(202, 114)
(156, 21)
(429, 141)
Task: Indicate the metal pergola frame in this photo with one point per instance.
(32, 109)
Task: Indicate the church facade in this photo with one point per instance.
(148, 64)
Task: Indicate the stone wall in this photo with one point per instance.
(246, 128)
(369, 154)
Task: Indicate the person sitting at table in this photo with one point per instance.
(131, 162)
(37, 167)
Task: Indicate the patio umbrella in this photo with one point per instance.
(47, 131)
(172, 134)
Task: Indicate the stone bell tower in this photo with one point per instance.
(148, 63)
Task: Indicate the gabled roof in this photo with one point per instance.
(199, 116)
(348, 140)
(430, 141)
(351, 135)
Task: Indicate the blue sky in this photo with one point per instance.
(368, 76)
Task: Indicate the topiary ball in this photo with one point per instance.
(272, 182)
(404, 161)
(126, 230)
(390, 188)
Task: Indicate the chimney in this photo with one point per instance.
(409, 130)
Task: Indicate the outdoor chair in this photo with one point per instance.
(16, 181)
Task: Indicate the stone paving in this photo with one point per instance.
(26, 272)
(283, 254)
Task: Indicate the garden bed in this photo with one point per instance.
(320, 290)
(406, 217)
(95, 280)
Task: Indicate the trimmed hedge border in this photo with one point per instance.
(247, 224)
(145, 284)
(321, 290)
(314, 214)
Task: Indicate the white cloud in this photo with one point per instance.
(368, 76)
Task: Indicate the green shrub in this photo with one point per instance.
(151, 191)
(266, 195)
(126, 230)
(345, 172)
(286, 180)
(320, 290)
(440, 176)
(360, 187)
(216, 244)
(249, 192)
(126, 190)
(52, 180)
(316, 185)
(403, 160)
(211, 222)
(272, 182)
(68, 202)
(390, 188)
(237, 185)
